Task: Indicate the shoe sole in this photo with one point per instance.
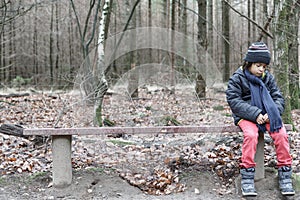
(288, 193)
(249, 194)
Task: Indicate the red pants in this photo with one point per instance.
(280, 139)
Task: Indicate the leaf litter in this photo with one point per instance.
(153, 163)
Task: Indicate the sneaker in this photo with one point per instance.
(247, 183)
(285, 181)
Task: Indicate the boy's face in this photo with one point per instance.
(257, 69)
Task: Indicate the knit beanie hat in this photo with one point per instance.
(258, 52)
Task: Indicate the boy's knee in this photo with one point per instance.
(280, 137)
(251, 135)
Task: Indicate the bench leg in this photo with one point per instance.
(61, 155)
(260, 158)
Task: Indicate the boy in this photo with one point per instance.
(257, 105)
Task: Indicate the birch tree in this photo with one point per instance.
(101, 87)
(89, 79)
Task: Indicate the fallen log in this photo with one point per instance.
(12, 129)
(14, 95)
(18, 130)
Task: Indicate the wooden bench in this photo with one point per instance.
(62, 140)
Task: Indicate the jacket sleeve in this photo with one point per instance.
(240, 107)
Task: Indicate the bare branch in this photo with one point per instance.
(252, 21)
(78, 24)
(266, 26)
(20, 11)
(98, 9)
(85, 45)
(124, 29)
(214, 27)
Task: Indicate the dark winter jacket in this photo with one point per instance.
(238, 96)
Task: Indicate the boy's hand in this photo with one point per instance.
(260, 119)
(266, 118)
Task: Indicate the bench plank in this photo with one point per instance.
(136, 130)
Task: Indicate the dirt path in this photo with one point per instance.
(99, 184)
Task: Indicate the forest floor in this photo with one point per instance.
(153, 167)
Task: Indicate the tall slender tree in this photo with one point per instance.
(51, 44)
(172, 54)
(226, 45)
(133, 80)
(150, 26)
(202, 44)
(35, 52)
(210, 19)
(58, 68)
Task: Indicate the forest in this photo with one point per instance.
(75, 65)
(94, 45)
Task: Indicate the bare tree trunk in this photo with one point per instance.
(184, 18)
(1, 58)
(173, 28)
(45, 58)
(202, 42)
(139, 23)
(226, 46)
(4, 67)
(114, 65)
(13, 71)
(1, 46)
(184, 29)
(298, 78)
(71, 41)
(254, 19)
(133, 80)
(166, 21)
(51, 44)
(102, 85)
(283, 56)
(59, 72)
(167, 13)
(35, 45)
(293, 18)
(107, 20)
(210, 19)
(150, 25)
(249, 23)
(266, 16)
